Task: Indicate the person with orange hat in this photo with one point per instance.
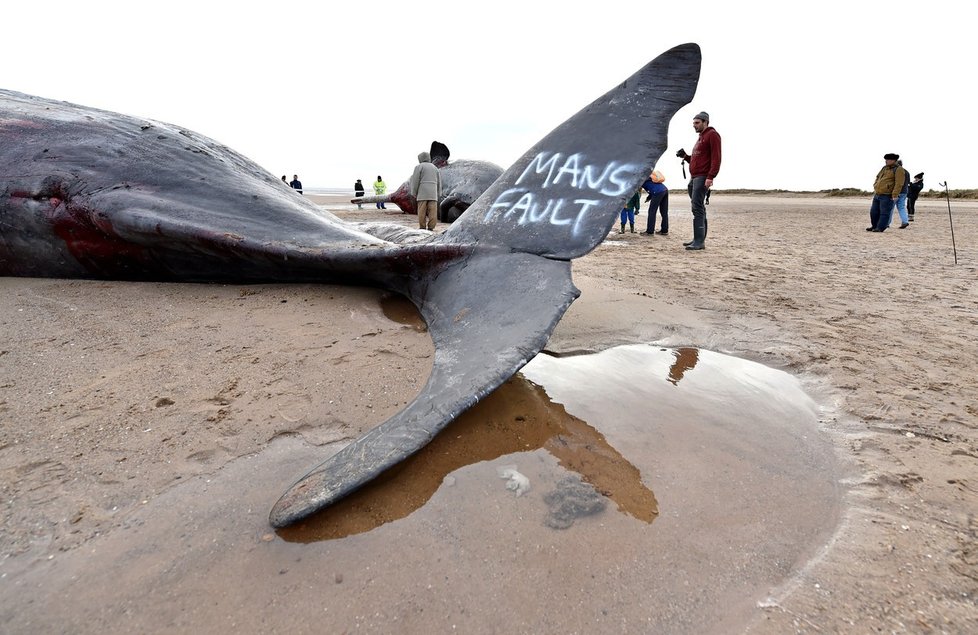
(658, 200)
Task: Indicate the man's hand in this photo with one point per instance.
(709, 183)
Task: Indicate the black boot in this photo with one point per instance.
(622, 230)
(699, 236)
(632, 227)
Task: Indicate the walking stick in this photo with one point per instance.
(947, 196)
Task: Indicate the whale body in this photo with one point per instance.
(87, 193)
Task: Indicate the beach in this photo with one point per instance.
(118, 400)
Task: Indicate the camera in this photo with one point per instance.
(681, 154)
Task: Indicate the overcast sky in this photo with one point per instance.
(805, 96)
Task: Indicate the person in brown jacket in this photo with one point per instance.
(886, 191)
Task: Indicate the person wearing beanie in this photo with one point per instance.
(704, 165)
(886, 191)
(358, 191)
(913, 192)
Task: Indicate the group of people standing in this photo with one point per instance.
(658, 199)
(894, 188)
(295, 183)
(425, 185)
(704, 165)
(380, 188)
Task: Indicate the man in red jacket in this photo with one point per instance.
(704, 164)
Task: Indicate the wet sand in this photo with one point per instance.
(745, 496)
(163, 418)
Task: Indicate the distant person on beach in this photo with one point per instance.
(901, 202)
(358, 191)
(628, 212)
(658, 200)
(916, 187)
(426, 189)
(379, 189)
(296, 184)
(704, 165)
(886, 191)
(285, 181)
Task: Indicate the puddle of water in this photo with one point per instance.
(399, 309)
(745, 491)
(516, 418)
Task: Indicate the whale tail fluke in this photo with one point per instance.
(479, 344)
(561, 197)
(493, 308)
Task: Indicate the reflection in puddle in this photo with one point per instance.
(746, 487)
(520, 417)
(686, 359)
(516, 418)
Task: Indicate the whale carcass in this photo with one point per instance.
(462, 182)
(86, 193)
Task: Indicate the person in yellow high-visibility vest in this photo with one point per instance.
(380, 188)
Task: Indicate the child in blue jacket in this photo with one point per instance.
(628, 212)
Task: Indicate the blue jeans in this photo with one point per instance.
(629, 214)
(881, 211)
(659, 202)
(901, 205)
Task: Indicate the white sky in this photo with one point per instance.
(805, 95)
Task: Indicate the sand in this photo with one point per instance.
(114, 396)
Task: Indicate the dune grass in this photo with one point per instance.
(846, 192)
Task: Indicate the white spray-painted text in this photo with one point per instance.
(530, 205)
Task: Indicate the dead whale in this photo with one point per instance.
(91, 194)
(463, 181)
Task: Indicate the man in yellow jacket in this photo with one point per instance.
(886, 191)
(380, 188)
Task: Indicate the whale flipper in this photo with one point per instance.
(491, 311)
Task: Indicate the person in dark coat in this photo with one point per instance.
(296, 183)
(916, 187)
(358, 191)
